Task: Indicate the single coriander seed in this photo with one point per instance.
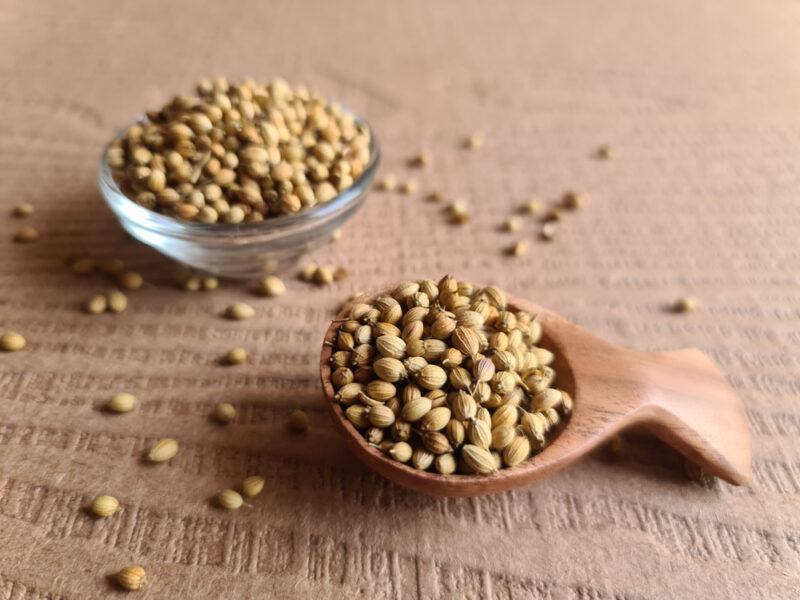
(131, 280)
(423, 159)
(117, 301)
(105, 506)
(96, 305)
(23, 210)
(163, 450)
(686, 305)
(210, 283)
(12, 342)
(235, 356)
(224, 412)
(575, 200)
(239, 311)
(84, 266)
(298, 421)
(25, 235)
(473, 142)
(512, 224)
(272, 286)
(435, 196)
(121, 402)
(531, 207)
(252, 486)
(520, 248)
(336, 235)
(606, 152)
(388, 183)
(408, 187)
(132, 578)
(549, 230)
(230, 500)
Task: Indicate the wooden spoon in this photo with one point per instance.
(680, 397)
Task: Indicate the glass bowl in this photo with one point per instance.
(244, 250)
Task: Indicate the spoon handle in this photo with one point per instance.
(685, 401)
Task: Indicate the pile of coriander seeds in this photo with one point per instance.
(447, 377)
(241, 152)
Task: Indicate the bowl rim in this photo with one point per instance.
(155, 221)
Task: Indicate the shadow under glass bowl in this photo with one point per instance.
(244, 250)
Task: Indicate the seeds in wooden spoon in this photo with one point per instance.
(121, 402)
(131, 280)
(105, 506)
(429, 366)
(132, 578)
(117, 301)
(163, 450)
(84, 266)
(12, 342)
(96, 304)
(25, 235)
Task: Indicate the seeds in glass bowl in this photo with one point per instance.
(240, 152)
(448, 377)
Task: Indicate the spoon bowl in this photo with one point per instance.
(679, 396)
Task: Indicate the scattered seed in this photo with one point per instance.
(131, 280)
(252, 486)
(531, 207)
(549, 230)
(105, 506)
(224, 412)
(307, 272)
(117, 301)
(336, 235)
(96, 305)
(473, 142)
(574, 200)
(554, 214)
(519, 248)
(435, 197)
(121, 402)
(12, 342)
(22, 210)
(132, 578)
(210, 283)
(192, 283)
(230, 500)
(388, 183)
(459, 213)
(84, 266)
(686, 305)
(26, 235)
(111, 266)
(340, 273)
(272, 286)
(606, 152)
(512, 224)
(298, 421)
(236, 356)
(422, 159)
(323, 275)
(408, 187)
(239, 311)
(163, 450)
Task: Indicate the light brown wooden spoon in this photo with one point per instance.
(680, 397)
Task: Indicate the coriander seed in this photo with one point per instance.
(272, 286)
(686, 305)
(408, 187)
(435, 196)
(235, 356)
(224, 412)
(25, 235)
(117, 301)
(298, 421)
(163, 450)
(230, 500)
(131, 280)
(422, 159)
(336, 235)
(531, 207)
(252, 486)
(239, 311)
(132, 578)
(23, 210)
(512, 224)
(388, 183)
(96, 305)
(121, 402)
(520, 248)
(574, 200)
(105, 506)
(473, 142)
(549, 230)
(84, 266)
(210, 283)
(606, 152)
(12, 342)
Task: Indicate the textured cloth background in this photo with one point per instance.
(701, 100)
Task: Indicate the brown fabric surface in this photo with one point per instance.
(701, 100)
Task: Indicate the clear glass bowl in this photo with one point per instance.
(245, 250)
